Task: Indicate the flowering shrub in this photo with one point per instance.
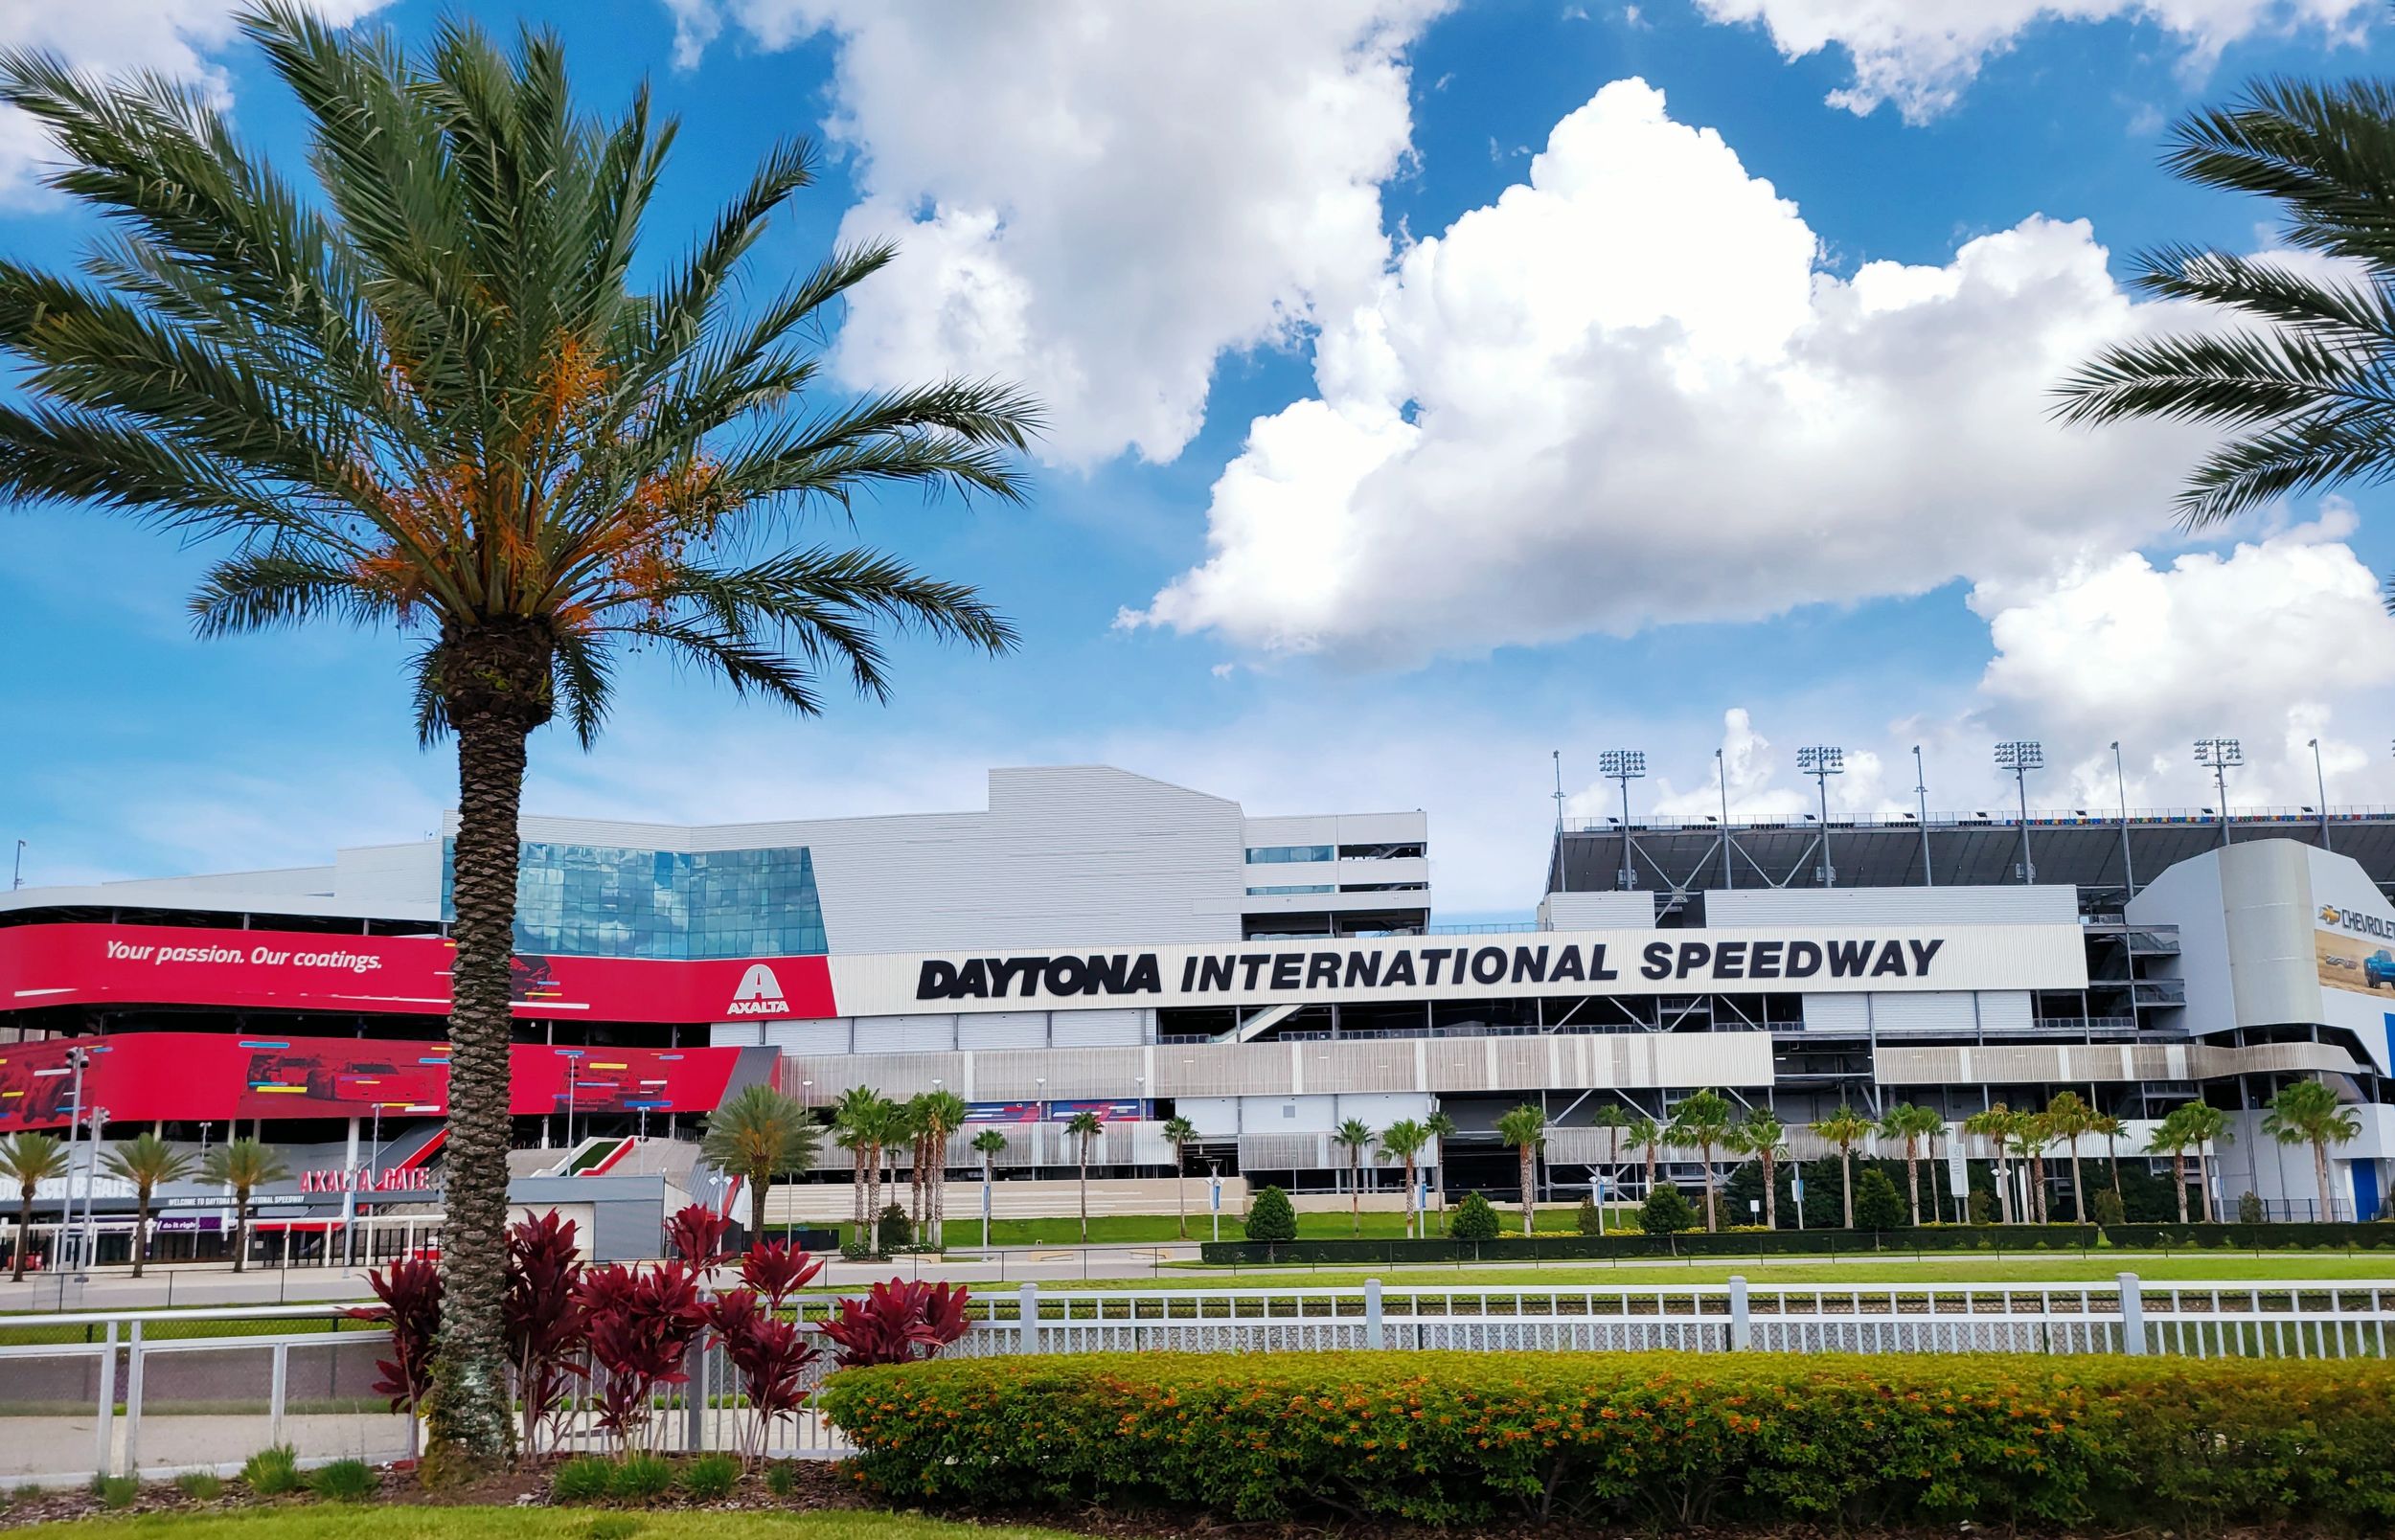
(1658, 1440)
(896, 1322)
(410, 1292)
(696, 1235)
(545, 1326)
(642, 1323)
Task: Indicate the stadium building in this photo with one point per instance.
(1097, 940)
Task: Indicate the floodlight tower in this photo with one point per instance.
(1822, 761)
(2020, 758)
(1624, 765)
(2220, 755)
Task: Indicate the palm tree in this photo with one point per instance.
(1762, 1135)
(246, 1164)
(1704, 1121)
(1525, 1129)
(1404, 1142)
(1998, 1126)
(29, 1160)
(1613, 1121)
(2031, 1133)
(1181, 1133)
(2071, 1120)
(2307, 1112)
(1643, 1133)
(429, 392)
(1843, 1130)
(2299, 390)
(990, 1144)
(859, 1123)
(1085, 1126)
(1353, 1136)
(759, 1134)
(1441, 1128)
(2207, 1126)
(938, 1115)
(1911, 1124)
(2110, 1129)
(149, 1163)
(2171, 1137)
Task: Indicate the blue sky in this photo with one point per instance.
(1435, 387)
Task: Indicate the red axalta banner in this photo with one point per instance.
(290, 970)
(181, 1077)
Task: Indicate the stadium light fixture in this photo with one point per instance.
(1921, 792)
(2129, 869)
(1822, 761)
(2320, 782)
(2220, 755)
(1624, 765)
(2021, 756)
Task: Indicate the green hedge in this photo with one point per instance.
(1661, 1440)
(1693, 1243)
(2252, 1238)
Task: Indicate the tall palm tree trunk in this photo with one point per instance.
(2003, 1187)
(1847, 1180)
(2321, 1169)
(140, 1229)
(2078, 1188)
(2039, 1212)
(1085, 1190)
(24, 1234)
(1771, 1193)
(498, 691)
(2203, 1181)
(2179, 1181)
(241, 1233)
(1409, 1197)
(1355, 1190)
(1913, 1176)
(1707, 1149)
(2112, 1156)
(1530, 1189)
(1180, 1187)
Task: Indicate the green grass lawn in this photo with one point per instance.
(404, 1523)
(2066, 1268)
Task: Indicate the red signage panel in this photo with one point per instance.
(407, 975)
(146, 1076)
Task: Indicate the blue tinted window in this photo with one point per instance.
(1273, 854)
(1267, 892)
(594, 900)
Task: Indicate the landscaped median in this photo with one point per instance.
(1646, 1439)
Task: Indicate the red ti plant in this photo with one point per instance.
(410, 1292)
(778, 1270)
(696, 1235)
(771, 1355)
(641, 1327)
(897, 1323)
(545, 1328)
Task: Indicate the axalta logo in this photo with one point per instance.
(760, 994)
(2358, 922)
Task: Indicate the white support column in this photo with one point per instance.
(133, 1404)
(1027, 1327)
(104, 1421)
(1373, 1332)
(1741, 1326)
(2132, 1315)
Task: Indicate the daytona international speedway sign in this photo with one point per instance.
(1619, 962)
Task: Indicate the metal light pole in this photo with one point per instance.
(2128, 871)
(16, 876)
(573, 1083)
(76, 1059)
(1921, 793)
(1722, 778)
(87, 1242)
(1822, 761)
(2020, 758)
(2220, 755)
(2320, 779)
(1624, 765)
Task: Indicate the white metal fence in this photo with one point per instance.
(155, 1392)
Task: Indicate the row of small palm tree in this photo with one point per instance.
(146, 1163)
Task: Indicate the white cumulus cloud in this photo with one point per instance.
(1098, 200)
(181, 38)
(1629, 393)
(2265, 643)
(1920, 55)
